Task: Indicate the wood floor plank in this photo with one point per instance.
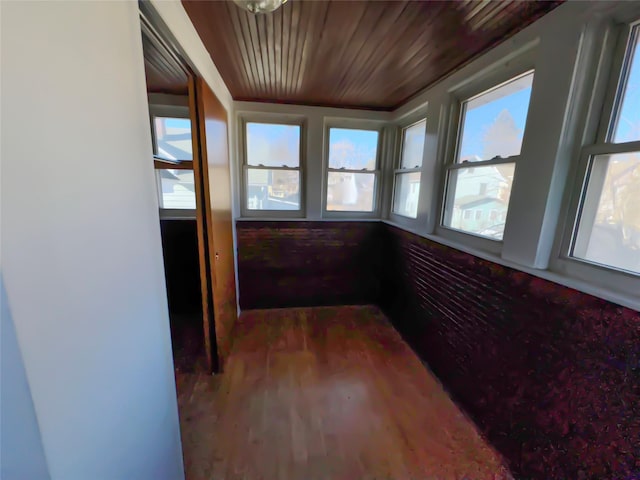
(325, 393)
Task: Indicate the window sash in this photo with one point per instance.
(376, 172)
(616, 83)
(450, 189)
(458, 112)
(585, 202)
(398, 173)
(301, 168)
(461, 112)
(276, 212)
(403, 132)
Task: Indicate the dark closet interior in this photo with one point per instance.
(180, 252)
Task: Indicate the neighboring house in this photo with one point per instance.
(481, 200)
(342, 189)
(350, 191)
(178, 190)
(477, 213)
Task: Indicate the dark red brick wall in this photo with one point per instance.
(550, 375)
(297, 263)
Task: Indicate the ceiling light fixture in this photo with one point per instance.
(260, 6)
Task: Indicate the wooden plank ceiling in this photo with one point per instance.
(364, 54)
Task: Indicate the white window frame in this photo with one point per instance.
(245, 167)
(516, 68)
(353, 125)
(398, 170)
(168, 111)
(604, 102)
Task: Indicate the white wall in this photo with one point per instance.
(21, 452)
(82, 260)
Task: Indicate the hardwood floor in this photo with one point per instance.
(325, 393)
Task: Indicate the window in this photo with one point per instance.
(176, 186)
(607, 227)
(173, 138)
(407, 176)
(272, 167)
(492, 126)
(352, 173)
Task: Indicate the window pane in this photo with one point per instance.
(480, 199)
(413, 145)
(493, 123)
(627, 126)
(178, 190)
(407, 193)
(272, 145)
(353, 149)
(173, 138)
(350, 192)
(273, 189)
(609, 229)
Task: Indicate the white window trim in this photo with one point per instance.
(398, 170)
(244, 167)
(598, 127)
(520, 66)
(378, 181)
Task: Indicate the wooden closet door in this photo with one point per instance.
(211, 127)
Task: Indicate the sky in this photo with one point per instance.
(177, 144)
(273, 145)
(178, 123)
(413, 146)
(628, 128)
(479, 119)
(352, 149)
